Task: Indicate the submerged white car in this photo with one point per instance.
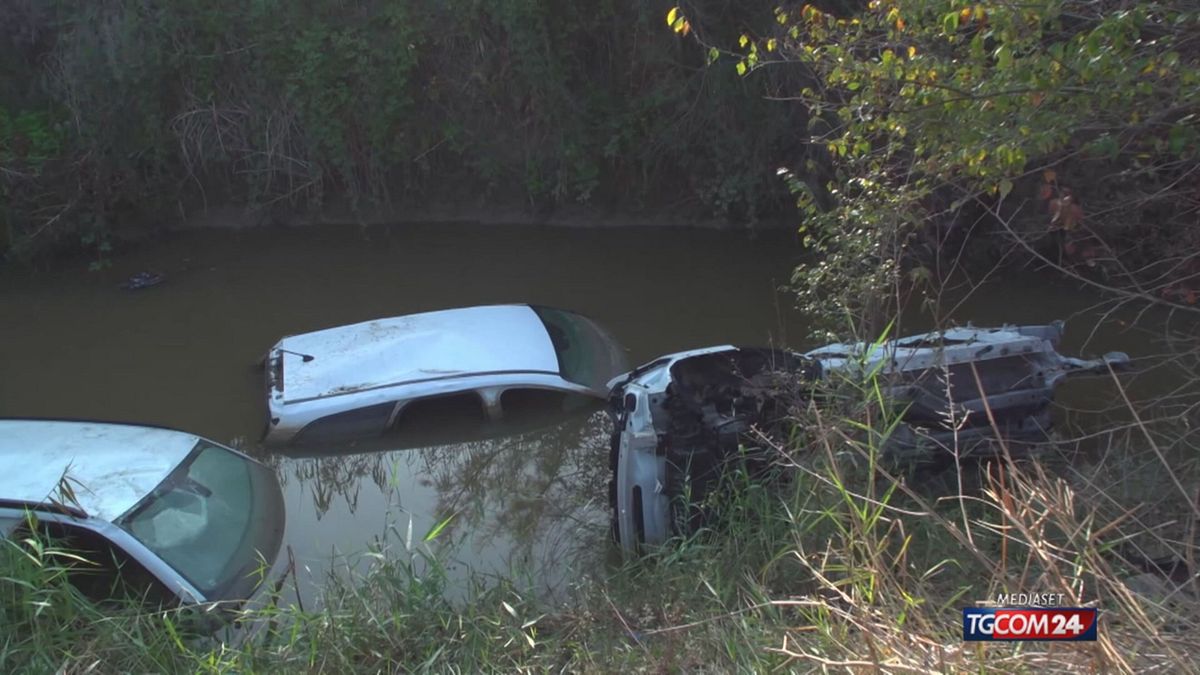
(678, 420)
(360, 380)
(166, 514)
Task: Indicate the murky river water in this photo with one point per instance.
(184, 354)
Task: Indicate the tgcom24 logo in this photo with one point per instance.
(1029, 623)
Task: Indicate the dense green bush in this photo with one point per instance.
(121, 110)
(957, 133)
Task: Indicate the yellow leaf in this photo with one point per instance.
(671, 16)
(742, 41)
(771, 44)
(1048, 175)
(912, 51)
(741, 68)
(899, 24)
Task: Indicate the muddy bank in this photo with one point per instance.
(133, 233)
(238, 217)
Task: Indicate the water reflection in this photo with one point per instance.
(526, 485)
(328, 478)
(526, 496)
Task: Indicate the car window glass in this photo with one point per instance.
(586, 354)
(357, 423)
(439, 414)
(8, 525)
(102, 570)
(526, 404)
(211, 520)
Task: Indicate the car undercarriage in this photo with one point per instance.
(682, 420)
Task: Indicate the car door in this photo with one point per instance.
(101, 569)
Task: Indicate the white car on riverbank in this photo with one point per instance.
(359, 381)
(166, 514)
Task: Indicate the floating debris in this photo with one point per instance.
(142, 280)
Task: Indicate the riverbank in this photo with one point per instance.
(121, 239)
(412, 103)
(843, 566)
(467, 215)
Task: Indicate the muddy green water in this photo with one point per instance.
(184, 354)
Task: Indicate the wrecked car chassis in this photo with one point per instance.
(679, 420)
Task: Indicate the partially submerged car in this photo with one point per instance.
(680, 419)
(171, 516)
(358, 381)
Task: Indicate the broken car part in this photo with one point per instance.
(680, 419)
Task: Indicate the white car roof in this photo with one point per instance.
(111, 466)
(432, 345)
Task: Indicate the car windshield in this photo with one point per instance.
(587, 355)
(213, 519)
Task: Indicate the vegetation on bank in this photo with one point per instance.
(954, 137)
(125, 112)
(838, 564)
(921, 139)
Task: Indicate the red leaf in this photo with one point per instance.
(1073, 216)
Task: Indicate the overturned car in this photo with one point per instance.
(680, 419)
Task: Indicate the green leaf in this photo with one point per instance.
(1006, 187)
(437, 529)
(741, 68)
(1178, 137)
(1004, 57)
(950, 23)
(1104, 146)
